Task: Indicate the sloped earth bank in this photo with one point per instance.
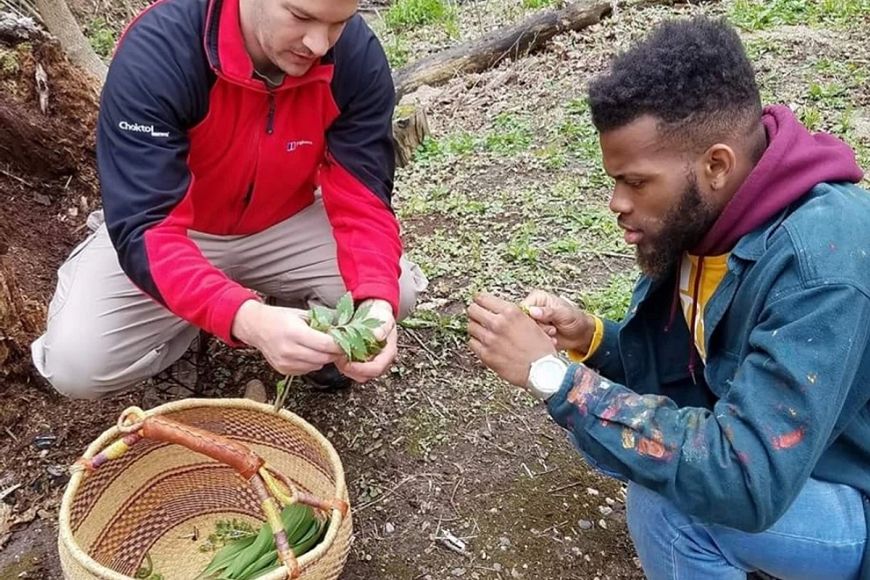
(440, 447)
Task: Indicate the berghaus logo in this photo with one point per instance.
(294, 145)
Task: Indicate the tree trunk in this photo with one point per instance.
(410, 129)
(62, 24)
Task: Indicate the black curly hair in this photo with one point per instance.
(692, 75)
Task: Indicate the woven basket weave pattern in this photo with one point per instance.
(163, 500)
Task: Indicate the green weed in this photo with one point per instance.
(398, 52)
(510, 134)
(408, 14)
(9, 65)
(433, 151)
(101, 36)
(521, 247)
(612, 301)
(759, 15)
(535, 4)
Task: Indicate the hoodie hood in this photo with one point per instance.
(794, 162)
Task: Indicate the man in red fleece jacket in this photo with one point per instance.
(244, 150)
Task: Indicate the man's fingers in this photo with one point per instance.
(365, 371)
(491, 303)
(552, 315)
(307, 357)
(477, 331)
(384, 330)
(541, 313)
(319, 341)
(476, 347)
(537, 298)
(481, 315)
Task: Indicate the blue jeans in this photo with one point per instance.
(821, 536)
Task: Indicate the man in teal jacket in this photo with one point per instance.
(734, 395)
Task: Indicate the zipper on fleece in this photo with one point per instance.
(270, 116)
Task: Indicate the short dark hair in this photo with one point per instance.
(693, 75)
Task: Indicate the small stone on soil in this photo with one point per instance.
(584, 524)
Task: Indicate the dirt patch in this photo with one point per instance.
(47, 166)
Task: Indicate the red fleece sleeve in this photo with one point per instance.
(366, 234)
(190, 285)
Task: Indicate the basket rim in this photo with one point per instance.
(65, 534)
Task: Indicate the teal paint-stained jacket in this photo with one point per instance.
(785, 390)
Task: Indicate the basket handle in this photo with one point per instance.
(218, 447)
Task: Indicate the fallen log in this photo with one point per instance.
(507, 43)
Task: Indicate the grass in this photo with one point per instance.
(510, 134)
(101, 36)
(612, 301)
(536, 4)
(760, 15)
(398, 52)
(9, 65)
(409, 14)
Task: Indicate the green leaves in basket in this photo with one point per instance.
(146, 571)
(254, 556)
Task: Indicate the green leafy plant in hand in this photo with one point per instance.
(351, 329)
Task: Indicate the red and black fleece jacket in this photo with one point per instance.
(189, 140)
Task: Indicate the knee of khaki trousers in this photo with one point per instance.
(411, 283)
(67, 362)
(103, 334)
(80, 368)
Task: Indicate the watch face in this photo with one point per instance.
(547, 375)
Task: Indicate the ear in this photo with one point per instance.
(719, 162)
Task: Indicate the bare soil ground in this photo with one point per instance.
(508, 197)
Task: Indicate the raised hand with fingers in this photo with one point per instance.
(505, 339)
(571, 328)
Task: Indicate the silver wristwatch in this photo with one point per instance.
(546, 375)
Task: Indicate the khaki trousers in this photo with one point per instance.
(104, 334)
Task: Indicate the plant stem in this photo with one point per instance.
(283, 389)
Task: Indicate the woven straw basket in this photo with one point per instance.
(162, 500)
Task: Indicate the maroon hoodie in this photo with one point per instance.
(794, 162)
